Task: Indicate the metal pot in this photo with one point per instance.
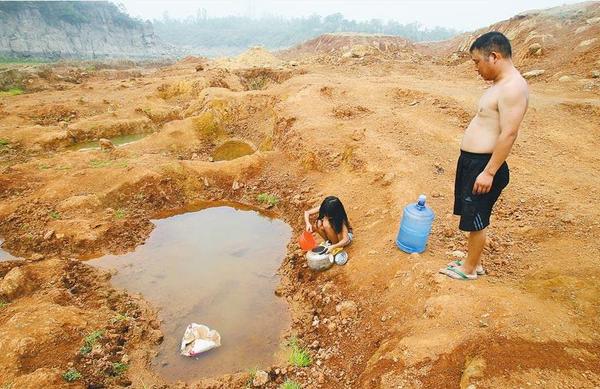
(318, 258)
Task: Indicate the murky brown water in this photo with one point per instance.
(215, 267)
(232, 149)
(117, 141)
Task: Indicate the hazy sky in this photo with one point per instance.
(462, 15)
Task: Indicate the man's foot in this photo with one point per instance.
(458, 273)
(479, 269)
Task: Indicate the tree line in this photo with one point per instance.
(200, 31)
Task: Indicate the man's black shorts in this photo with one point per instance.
(475, 210)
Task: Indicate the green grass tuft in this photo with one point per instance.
(90, 340)
(3, 303)
(54, 215)
(299, 356)
(267, 198)
(290, 384)
(120, 214)
(119, 368)
(12, 92)
(71, 375)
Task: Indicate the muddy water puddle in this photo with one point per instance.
(217, 267)
(232, 149)
(117, 141)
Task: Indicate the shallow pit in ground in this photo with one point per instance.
(215, 266)
(232, 149)
(120, 140)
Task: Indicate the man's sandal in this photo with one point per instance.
(479, 269)
(458, 274)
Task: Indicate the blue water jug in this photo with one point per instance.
(415, 227)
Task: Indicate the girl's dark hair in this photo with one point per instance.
(333, 208)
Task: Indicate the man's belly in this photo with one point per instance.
(479, 140)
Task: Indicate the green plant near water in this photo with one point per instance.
(54, 215)
(90, 340)
(119, 368)
(290, 384)
(71, 375)
(12, 92)
(252, 375)
(299, 356)
(267, 198)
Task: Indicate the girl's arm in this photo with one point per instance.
(307, 214)
(343, 242)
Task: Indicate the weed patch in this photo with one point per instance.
(299, 357)
(71, 375)
(90, 340)
(267, 198)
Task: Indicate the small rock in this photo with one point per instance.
(13, 282)
(413, 103)
(587, 42)
(595, 20)
(565, 79)
(347, 309)
(458, 254)
(388, 178)
(533, 73)
(195, 156)
(236, 185)
(37, 257)
(106, 144)
(595, 73)
(321, 378)
(567, 218)
(534, 49)
(48, 235)
(211, 159)
(206, 182)
(260, 378)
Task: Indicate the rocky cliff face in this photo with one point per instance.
(74, 30)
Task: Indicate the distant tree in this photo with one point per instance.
(234, 33)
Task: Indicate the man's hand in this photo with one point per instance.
(483, 183)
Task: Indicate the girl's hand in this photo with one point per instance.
(309, 227)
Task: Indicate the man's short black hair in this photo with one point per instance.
(492, 41)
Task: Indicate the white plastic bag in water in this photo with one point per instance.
(199, 338)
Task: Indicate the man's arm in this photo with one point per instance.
(511, 108)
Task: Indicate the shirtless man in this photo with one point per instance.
(482, 172)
